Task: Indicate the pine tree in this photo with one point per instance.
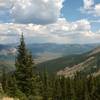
(63, 87)
(70, 93)
(98, 61)
(97, 91)
(24, 68)
(37, 88)
(57, 89)
(46, 90)
(86, 94)
(11, 86)
(4, 79)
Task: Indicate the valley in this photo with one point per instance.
(58, 59)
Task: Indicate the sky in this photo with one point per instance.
(50, 21)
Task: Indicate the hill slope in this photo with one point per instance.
(69, 65)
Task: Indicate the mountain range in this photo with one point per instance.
(47, 51)
(62, 59)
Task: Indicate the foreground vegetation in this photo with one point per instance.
(26, 83)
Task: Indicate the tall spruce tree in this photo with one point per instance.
(46, 90)
(4, 79)
(24, 68)
(98, 61)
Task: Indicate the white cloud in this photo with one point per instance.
(36, 11)
(82, 25)
(39, 21)
(32, 11)
(90, 7)
(60, 32)
(88, 4)
(63, 24)
(5, 4)
(97, 10)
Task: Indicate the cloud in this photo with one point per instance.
(5, 4)
(62, 31)
(97, 10)
(40, 22)
(83, 25)
(32, 11)
(88, 4)
(36, 11)
(90, 7)
(63, 24)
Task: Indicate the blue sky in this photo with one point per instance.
(53, 21)
(71, 11)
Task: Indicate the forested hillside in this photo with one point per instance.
(27, 83)
(86, 62)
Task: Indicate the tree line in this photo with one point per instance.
(26, 83)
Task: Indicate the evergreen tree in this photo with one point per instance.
(97, 89)
(98, 61)
(12, 86)
(63, 87)
(37, 86)
(57, 89)
(46, 89)
(24, 68)
(70, 93)
(4, 79)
